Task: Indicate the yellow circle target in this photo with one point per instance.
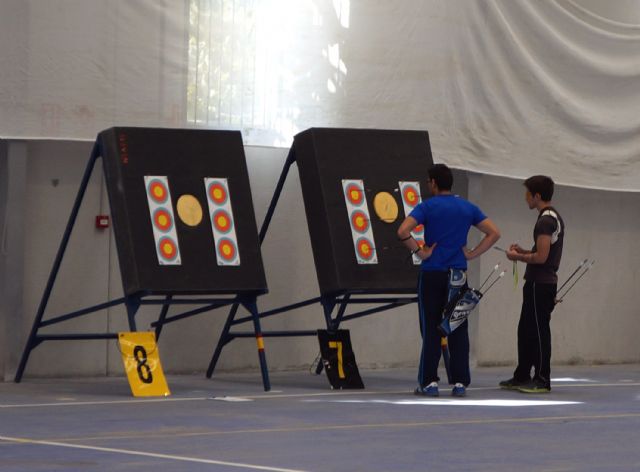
(158, 191)
(410, 195)
(217, 193)
(364, 248)
(227, 249)
(222, 221)
(168, 249)
(359, 221)
(354, 194)
(385, 207)
(162, 220)
(189, 210)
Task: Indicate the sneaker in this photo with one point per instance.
(513, 384)
(430, 390)
(459, 390)
(535, 386)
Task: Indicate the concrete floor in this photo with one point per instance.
(589, 422)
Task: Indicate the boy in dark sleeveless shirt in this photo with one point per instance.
(539, 291)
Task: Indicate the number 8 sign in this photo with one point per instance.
(142, 364)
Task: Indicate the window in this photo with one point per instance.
(262, 66)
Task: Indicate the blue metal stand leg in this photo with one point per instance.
(328, 304)
(163, 315)
(291, 158)
(224, 339)
(32, 340)
(252, 307)
(132, 304)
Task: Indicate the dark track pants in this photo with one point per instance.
(433, 288)
(534, 332)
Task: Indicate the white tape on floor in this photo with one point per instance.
(456, 402)
(146, 454)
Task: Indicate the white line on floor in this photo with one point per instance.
(105, 402)
(146, 454)
(454, 402)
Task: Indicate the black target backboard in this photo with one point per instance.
(342, 173)
(182, 211)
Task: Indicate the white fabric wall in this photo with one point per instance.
(506, 87)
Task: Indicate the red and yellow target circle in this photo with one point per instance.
(222, 221)
(168, 248)
(355, 195)
(418, 229)
(365, 248)
(158, 191)
(162, 220)
(217, 193)
(227, 249)
(359, 221)
(410, 195)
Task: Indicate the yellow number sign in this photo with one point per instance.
(142, 364)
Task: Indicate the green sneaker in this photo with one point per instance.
(535, 386)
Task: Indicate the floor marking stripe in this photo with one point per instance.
(104, 402)
(303, 429)
(291, 395)
(492, 402)
(146, 454)
(408, 391)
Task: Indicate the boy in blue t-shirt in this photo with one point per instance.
(447, 219)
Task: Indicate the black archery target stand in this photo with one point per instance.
(325, 156)
(190, 274)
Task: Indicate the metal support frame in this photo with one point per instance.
(131, 302)
(328, 302)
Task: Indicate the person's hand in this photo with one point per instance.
(426, 251)
(517, 248)
(467, 253)
(512, 254)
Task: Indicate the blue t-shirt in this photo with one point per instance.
(447, 220)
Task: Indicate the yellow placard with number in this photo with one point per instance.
(142, 364)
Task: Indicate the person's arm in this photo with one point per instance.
(543, 246)
(491, 235)
(404, 235)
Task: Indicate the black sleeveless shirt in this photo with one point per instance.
(549, 223)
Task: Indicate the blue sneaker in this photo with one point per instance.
(459, 390)
(430, 390)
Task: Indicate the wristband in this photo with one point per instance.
(405, 239)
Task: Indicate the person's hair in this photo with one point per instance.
(540, 184)
(442, 176)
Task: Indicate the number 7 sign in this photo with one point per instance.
(338, 359)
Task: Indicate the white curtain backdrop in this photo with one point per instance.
(506, 87)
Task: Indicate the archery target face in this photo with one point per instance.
(161, 211)
(361, 233)
(354, 192)
(182, 211)
(410, 199)
(222, 224)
